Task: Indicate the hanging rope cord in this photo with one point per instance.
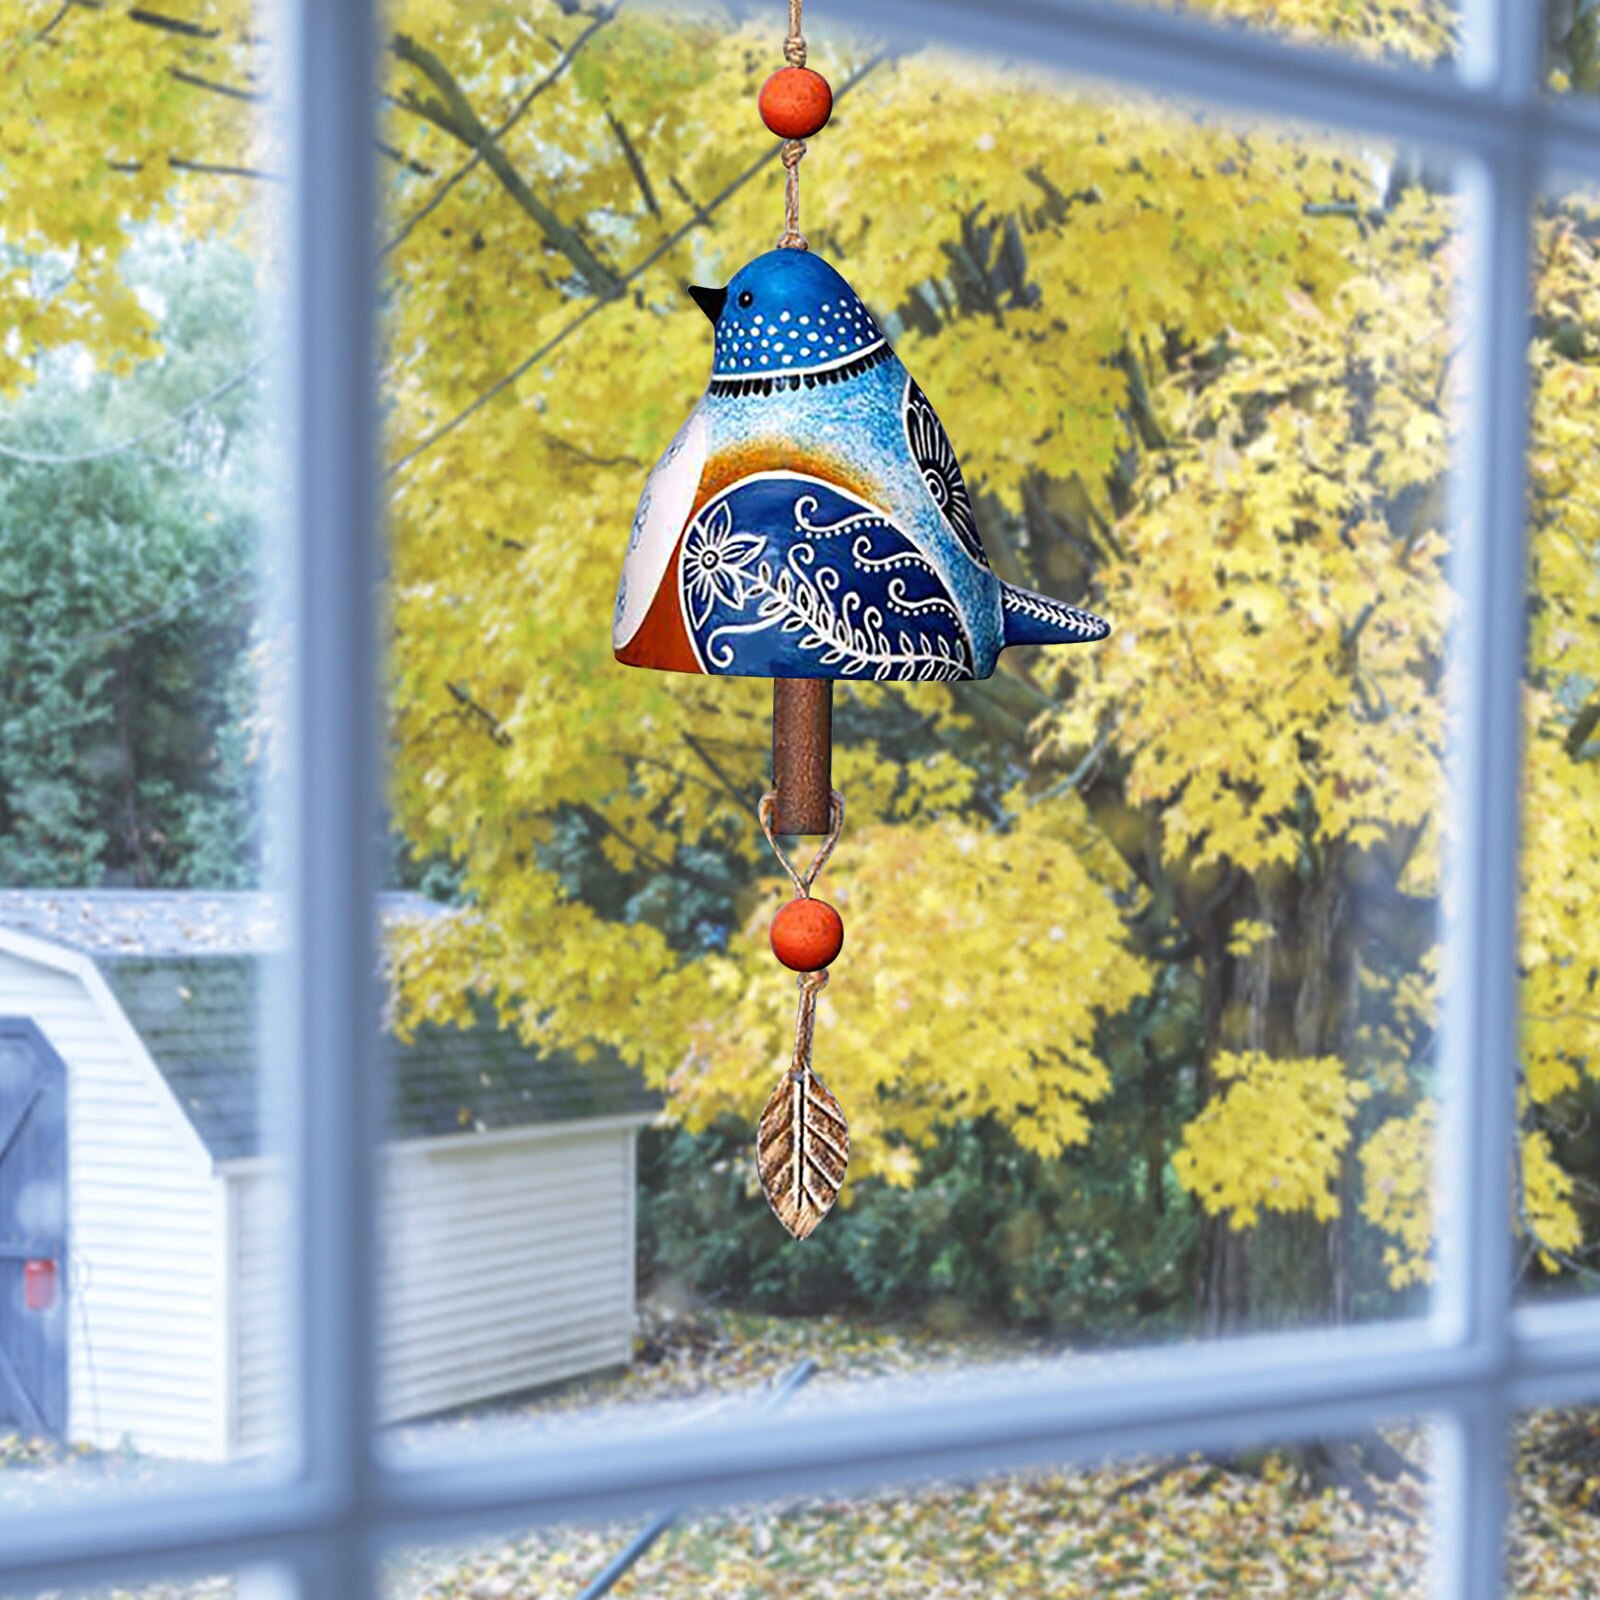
(810, 984)
(794, 52)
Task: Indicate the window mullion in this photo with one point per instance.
(1470, 1482)
(1478, 1021)
(335, 803)
(1478, 1039)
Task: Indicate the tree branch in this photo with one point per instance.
(189, 30)
(700, 214)
(56, 19)
(505, 380)
(261, 97)
(183, 164)
(255, 97)
(453, 114)
(635, 165)
(1583, 727)
(558, 443)
(730, 788)
(490, 723)
(496, 134)
(633, 758)
(660, 863)
(401, 159)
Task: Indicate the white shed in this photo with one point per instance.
(142, 1279)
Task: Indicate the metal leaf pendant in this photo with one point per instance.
(802, 1148)
(802, 1142)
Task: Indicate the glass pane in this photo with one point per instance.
(1571, 46)
(142, 655)
(1559, 1206)
(1133, 1023)
(1418, 33)
(1554, 1540)
(1337, 1517)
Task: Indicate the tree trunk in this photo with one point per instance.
(1293, 995)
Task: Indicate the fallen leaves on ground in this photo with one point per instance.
(1135, 1530)
(1142, 1529)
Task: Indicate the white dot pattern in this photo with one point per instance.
(800, 314)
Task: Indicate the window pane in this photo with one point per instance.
(1420, 33)
(1346, 1517)
(1571, 62)
(1559, 1077)
(1133, 1027)
(1423, 32)
(1555, 1539)
(143, 652)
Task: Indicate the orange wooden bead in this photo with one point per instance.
(807, 935)
(796, 102)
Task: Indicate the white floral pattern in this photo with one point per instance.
(829, 587)
(717, 563)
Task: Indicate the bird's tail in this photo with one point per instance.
(1036, 619)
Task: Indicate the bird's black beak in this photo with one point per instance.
(710, 301)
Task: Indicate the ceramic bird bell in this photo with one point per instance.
(810, 519)
(810, 522)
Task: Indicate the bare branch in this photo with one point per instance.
(501, 384)
(1583, 728)
(211, 169)
(490, 723)
(253, 96)
(558, 443)
(453, 114)
(496, 134)
(189, 30)
(401, 159)
(660, 863)
(214, 170)
(740, 797)
(635, 165)
(700, 214)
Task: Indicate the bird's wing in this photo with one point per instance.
(786, 575)
(658, 524)
(936, 460)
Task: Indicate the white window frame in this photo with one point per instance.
(1470, 1365)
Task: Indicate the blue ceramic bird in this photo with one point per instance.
(810, 519)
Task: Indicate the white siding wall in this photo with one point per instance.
(144, 1338)
(507, 1262)
(259, 1290)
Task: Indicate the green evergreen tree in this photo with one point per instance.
(129, 583)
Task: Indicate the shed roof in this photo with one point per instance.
(188, 971)
(168, 922)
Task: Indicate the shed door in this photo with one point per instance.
(33, 1231)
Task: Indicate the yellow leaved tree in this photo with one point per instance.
(1201, 376)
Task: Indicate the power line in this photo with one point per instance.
(163, 613)
(500, 385)
(36, 458)
(39, 458)
(103, 452)
(436, 199)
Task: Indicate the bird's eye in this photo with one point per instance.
(745, 297)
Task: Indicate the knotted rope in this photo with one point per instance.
(765, 814)
(811, 984)
(794, 52)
